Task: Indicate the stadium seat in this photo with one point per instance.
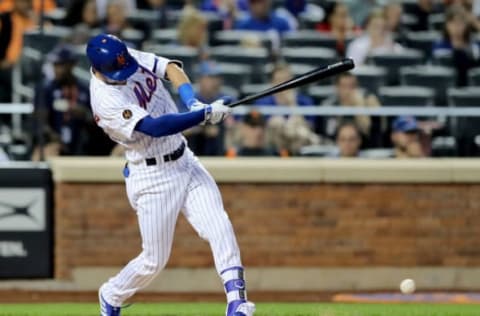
(444, 146)
(465, 128)
(148, 17)
(436, 77)
(309, 38)
(188, 55)
(296, 70)
(443, 58)
(377, 153)
(320, 93)
(133, 36)
(237, 37)
(469, 96)
(48, 40)
(436, 21)
(406, 96)
(256, 58)
(165, 36)
(309, 55)
(474, 76)
(409, 6)
(235, 75)
(370, 77)
(393, 62)
(423, 41)
(248, 89)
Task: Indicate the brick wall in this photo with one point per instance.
(286, 225)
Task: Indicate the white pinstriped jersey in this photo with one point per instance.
(118, 108)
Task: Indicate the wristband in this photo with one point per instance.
(187, 94)
(208, 113)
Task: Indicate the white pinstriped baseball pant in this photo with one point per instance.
(158, 193)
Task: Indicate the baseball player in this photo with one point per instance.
(162, 175)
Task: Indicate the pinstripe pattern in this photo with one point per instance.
(158, 193)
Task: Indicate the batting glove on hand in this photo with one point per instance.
(218, 112)
(214, 113)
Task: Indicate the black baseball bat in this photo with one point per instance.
(306, 78)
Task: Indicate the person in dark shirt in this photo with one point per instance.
(208, 140)
(458, 44)
(64, 106)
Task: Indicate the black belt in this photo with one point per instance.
(174, 155)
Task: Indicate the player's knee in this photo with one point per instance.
(153, 265)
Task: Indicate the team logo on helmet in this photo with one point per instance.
(121, 59)
(127, 114)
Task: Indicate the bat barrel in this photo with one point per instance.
(306, 78)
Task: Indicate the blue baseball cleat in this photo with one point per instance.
(240, 308)
(105, 308)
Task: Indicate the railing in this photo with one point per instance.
(16, 110)
(349, 110)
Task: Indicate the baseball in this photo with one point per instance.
(407, 286)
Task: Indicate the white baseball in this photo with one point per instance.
(407, 286)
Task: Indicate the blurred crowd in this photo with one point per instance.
(280, 39)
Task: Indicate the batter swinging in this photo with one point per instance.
(162, 175)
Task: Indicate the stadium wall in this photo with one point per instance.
(358, 218)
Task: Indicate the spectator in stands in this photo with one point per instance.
(422, 12)
(458, 44)
(225, 9)
(207, 140)
(64, 105)
(12, 26)
(348, 93)
(81, 12)
(361, 9)
(471, 10)
(192, 31)
(116, 22)
(348, 140)
(393, 12)
(376, 39)
(339, 24)
(262, 18)
(159, 7)
(48, 5)
(102, 6)
(288, 135)
(251, 132)
(290, 97)
(405, 138)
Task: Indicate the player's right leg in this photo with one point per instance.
(157, 194)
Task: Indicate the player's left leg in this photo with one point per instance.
(204, 210)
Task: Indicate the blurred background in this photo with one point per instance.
(307, 221)
(417, 63)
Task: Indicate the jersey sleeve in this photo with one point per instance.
(117, 116)
(154, 63)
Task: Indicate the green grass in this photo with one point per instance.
(263, 309)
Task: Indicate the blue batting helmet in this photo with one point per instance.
(109, 56)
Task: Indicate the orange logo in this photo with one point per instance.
(121, 60)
